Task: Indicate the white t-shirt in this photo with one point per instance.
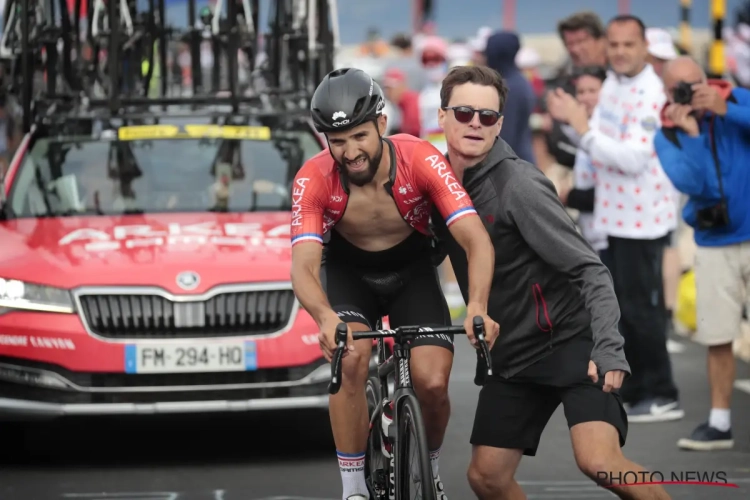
(584, 177)
(634, 197)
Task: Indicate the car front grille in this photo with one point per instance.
(153, 316)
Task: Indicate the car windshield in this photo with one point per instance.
(161, 173)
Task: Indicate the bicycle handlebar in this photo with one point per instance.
(484, 359)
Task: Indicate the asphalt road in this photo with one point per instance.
(290, 456)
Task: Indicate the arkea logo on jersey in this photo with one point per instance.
(297, 194)
(447, 175)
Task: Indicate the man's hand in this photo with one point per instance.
(327, 337)
(680, 115)
(575, 114)
(556, 105)
(707, 98)
(612, 380)
(491, 328)
(567, 109)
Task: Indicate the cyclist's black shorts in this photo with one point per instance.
(400, 282)
(512, 413)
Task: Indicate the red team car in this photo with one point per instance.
(145, 269)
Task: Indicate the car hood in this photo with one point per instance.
(150, 249)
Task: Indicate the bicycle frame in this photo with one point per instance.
(399, 364)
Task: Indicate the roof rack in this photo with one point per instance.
(109, 68)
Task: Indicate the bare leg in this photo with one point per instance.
(492, 473)
(721, 373)
(349, 419)
(596, 446)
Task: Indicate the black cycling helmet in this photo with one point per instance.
(346, 98)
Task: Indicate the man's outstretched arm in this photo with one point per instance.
(470, 233)
(550, 232)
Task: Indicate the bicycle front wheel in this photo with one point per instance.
(413, 471)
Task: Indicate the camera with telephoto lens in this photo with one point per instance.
(683, 93)
(714, 217)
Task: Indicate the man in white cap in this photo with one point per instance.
(660, 48)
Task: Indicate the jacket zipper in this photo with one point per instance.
(543, 321)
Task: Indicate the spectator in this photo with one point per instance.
(374, 45)
(406, 60)
(584, 38)
(660, 49)
(478, 44)
(704, 145)
(397, 91)
(460, 53)
(635, 206)
(528, 61)
(501, 51)
(588, 84)
(434, 54)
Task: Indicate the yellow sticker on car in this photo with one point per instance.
(140, 132)
(233, 132)
(229, 132)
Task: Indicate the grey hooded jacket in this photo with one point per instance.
(549, 285)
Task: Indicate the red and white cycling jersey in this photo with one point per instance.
(421, 178)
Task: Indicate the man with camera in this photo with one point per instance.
(704, 148)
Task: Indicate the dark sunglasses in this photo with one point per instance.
(465, 114)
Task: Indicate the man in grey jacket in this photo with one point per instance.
(554, 301)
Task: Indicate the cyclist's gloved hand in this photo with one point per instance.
(327, 337)
(491, 328)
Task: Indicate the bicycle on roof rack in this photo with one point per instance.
(387, 469)
(111, 60)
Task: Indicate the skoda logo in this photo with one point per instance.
(188, 280)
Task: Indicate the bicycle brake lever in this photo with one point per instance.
(335, 384)
(484, 360)
(486, 355)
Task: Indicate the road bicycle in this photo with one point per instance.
(389, 469)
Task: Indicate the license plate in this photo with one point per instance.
(191, 357)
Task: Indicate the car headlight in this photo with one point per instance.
(16, 294)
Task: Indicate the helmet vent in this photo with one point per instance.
(360, 104)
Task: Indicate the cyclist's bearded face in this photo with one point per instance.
(359, 152)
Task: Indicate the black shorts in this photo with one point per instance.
(400, 282)
(512, 413)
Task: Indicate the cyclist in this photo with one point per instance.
(371, 198)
